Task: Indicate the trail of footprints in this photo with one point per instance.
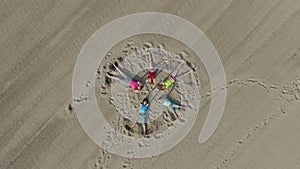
(102, 160)
(234, 82)
(288, 93)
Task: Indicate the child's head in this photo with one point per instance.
(139, 85)
(159, 100)
(161, 87)
(145, 101)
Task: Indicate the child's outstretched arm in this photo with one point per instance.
(176, 70)
(150, 60)
(165, 62)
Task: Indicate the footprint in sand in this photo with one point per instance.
(125, 50)
(161, 46)
(147, 45)
(70, 107)
(183, 55)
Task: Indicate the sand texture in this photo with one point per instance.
(258, 42)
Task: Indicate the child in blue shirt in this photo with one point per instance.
(142, 117)
(170, 105)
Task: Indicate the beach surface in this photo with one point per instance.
(258, 42)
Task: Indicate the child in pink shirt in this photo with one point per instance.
(126, 80)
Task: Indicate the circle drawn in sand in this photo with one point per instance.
(89, 114)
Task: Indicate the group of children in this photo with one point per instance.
(167, 84)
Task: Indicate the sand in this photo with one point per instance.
(257, 41)
(134, 60)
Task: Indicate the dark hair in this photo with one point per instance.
(145, 100)
(160, 86)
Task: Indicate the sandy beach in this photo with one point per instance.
(257, 42)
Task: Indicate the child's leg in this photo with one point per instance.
(176, 115)
(133, 125)
(172, 109)
(120, 71)
(176, 105)
(144, 128)
(112, 77)
(122, 80)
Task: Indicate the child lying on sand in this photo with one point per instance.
(172, 78)
(170, 105)
(142, 117)
(152, 70)
(126, 80)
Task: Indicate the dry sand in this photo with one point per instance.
(258, 43)
(131, 55)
